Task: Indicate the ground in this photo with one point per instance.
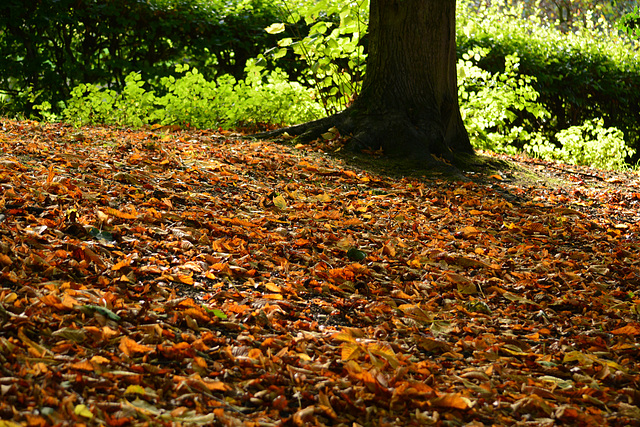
(168, 277)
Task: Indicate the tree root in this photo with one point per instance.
(418, 141)
(305, 132)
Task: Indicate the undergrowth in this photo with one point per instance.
(502, 110)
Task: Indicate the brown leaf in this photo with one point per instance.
(131, 347)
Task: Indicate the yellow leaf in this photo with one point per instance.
(279, 202)
(324, 197)
(331, 134)
(273, 287)
(276, 28)
(135, 389)
(350, 351)
(386, 352)
(83, 411)
(343, 336)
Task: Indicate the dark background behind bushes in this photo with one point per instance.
(49, 46)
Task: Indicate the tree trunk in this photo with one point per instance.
(408, 105)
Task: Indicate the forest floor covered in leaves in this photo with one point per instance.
(197, 278)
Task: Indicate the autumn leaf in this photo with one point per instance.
(130, 347)
(350, 350)
(154, 270)
(627, 330)
(279, 202)
(83, 411)
(451, 401)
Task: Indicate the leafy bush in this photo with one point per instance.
(590, 144)
(190, 100)
(588, 74)
(332, 48)
(489, 103)
(630, 23)
(50, 46)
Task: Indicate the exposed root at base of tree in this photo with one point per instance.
(304, 132)
(419, 144)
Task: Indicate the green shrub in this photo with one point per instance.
(630, 23)
(50, 46)
(588, 74)
(190, 100)
(592, 144)
(331, 48)
(89, 104)
(489, 103)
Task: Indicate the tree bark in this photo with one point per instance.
(408, 105)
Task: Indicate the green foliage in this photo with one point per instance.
(489, 102)
(190, 100)
(592, 144)
(569, 15)
(590, 73)
(90, 104)
(50, 46)
(630, 23)
(331, 49)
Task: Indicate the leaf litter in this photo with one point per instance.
(198, 278)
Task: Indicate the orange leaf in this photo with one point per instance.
(350, 174)
(68, 301)
(124, 263)
(187, 280)
(350, 350)
(627, 330)
(82, 366)
(119, 214)
(216, 385)
(5, 260)
(129, 347)
(52, 301)
(469, 231)
(452, 400)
